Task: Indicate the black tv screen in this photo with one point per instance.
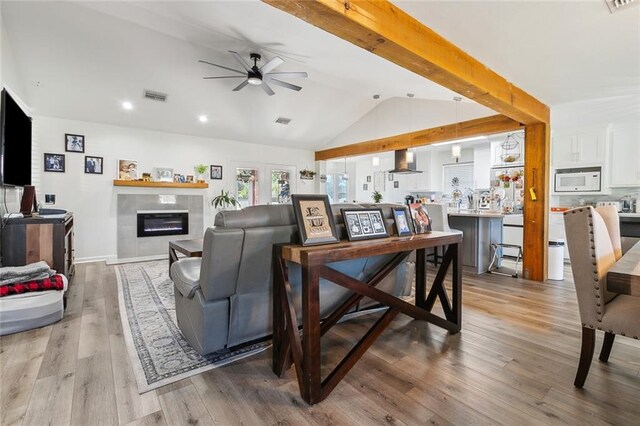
(15, 164)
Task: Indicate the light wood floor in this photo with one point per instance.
(513, 363)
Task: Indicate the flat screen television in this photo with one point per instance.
(15, 135)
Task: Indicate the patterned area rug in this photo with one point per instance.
(159, 353)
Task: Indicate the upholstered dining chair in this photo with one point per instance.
(439, 222)
(593, 238)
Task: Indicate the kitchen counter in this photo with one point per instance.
(479, 231)
(476, 214)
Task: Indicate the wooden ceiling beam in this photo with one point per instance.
(387, 31)
(466, 129)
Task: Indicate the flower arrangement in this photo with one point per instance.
(506, 178)
(307, 174)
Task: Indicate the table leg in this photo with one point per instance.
(456, 281)
(279, 333)
(421, 277)
(173, 256)
(312, 385)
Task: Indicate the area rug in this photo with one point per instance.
(159, 353)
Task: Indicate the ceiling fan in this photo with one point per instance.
(259, 76)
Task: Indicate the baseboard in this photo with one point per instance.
(91, 259)
(117, 261)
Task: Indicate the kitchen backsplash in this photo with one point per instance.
(575, 200)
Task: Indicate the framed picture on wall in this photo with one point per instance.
(364, 224)
(396, 184)
(54, 163)
(73, 143)
(314, 219)
(216, 172)
(93, 165)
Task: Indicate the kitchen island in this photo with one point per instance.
(479, 229)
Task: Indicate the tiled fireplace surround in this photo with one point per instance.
(132, 247)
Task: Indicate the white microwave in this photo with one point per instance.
(584, 179)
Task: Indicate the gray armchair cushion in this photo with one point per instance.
(186, 273)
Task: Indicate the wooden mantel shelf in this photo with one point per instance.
(147, 184)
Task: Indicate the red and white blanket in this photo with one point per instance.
(55, 282)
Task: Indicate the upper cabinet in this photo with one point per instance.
(580, 148)
(625, 155)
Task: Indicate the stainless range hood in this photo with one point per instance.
(402, 165)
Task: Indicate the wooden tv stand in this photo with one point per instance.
(32, 239)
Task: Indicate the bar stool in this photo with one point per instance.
(496, 257)
(439, 222)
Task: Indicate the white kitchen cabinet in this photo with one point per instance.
(576, 148)
(625, 156)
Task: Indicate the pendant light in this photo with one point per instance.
(410, 154)
(456, 150)
(345, 175)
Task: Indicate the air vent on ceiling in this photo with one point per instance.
(283, 120)
(618, 5)
(155, 96)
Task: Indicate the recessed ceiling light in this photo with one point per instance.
(127, 105)
(203, 118)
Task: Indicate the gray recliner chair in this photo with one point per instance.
(224, 299)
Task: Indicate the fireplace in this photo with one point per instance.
(154, 223)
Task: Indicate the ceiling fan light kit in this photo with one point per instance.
(259, 76)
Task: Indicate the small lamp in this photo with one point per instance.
(456, 152)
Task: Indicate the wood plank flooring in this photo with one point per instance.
(513, 363)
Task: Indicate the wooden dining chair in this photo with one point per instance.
(593, 239)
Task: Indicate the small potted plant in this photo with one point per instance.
(200, 170)
(377, 196)
(224, 200)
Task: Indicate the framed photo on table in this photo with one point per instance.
(314, 219)
(402, 221)
(421, 220)
(364, 224)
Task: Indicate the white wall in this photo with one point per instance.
(10, 78)
(401, 115)
(92, 197)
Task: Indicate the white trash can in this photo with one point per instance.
(556, 259)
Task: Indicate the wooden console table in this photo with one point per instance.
(304, 353)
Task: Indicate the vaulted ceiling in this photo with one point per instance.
(80, 60)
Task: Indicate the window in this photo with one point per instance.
(280, 186)
(247, 187)
(457, 176)
(337, 188)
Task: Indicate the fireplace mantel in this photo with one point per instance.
(147, 184)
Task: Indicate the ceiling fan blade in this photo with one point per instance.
(267, 89)
(289, 74)
(271, 65)
(225, 76)
(241, 85)
(223, 67)
(242, 61)
(285, 84)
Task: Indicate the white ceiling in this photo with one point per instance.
(88, 57)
